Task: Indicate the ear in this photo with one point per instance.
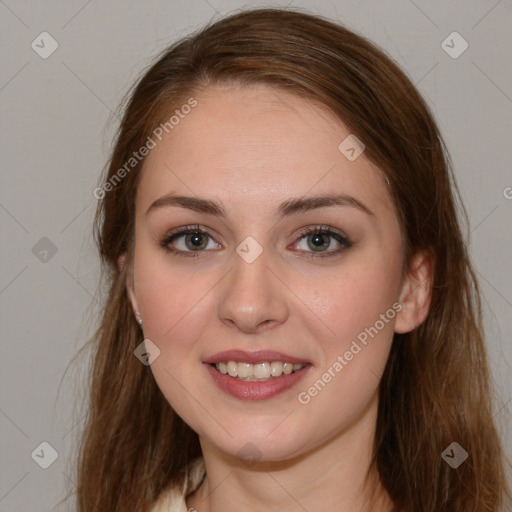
(121, 262)
(415, 293)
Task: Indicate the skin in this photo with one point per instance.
(251, 149)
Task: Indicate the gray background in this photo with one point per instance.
(57, 127)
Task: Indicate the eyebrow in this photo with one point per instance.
(287, 208)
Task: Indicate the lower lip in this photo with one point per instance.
(256, 390)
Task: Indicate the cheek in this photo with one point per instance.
(357, 308)
(174, 306)
(360, 316)
(353, 298)
(168, 297)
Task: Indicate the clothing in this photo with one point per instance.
(173, 500)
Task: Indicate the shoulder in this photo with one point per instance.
(173, 499)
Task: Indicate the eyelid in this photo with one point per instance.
(182, 231)
(322, 228)
(338, 235)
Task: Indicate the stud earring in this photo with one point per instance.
(139, 318)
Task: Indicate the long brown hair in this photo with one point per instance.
(436, 387)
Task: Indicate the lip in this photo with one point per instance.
(258, 356)
(254, 390)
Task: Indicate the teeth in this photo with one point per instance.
(259, 371)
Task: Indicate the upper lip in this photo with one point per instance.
(253, 357)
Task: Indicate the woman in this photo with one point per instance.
(279, 225)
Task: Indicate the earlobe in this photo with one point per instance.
(416, 294)
(130, 289)
(131, 295)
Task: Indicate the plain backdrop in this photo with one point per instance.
(57, 125)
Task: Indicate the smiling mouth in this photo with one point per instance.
(258, 372)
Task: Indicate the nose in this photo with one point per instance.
(253, 299)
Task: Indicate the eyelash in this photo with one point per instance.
(322, 230)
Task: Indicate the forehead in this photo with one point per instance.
(256, 146)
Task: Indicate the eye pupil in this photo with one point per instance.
(319, 241)
(196, 240)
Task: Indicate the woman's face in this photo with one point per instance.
(254, 281)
